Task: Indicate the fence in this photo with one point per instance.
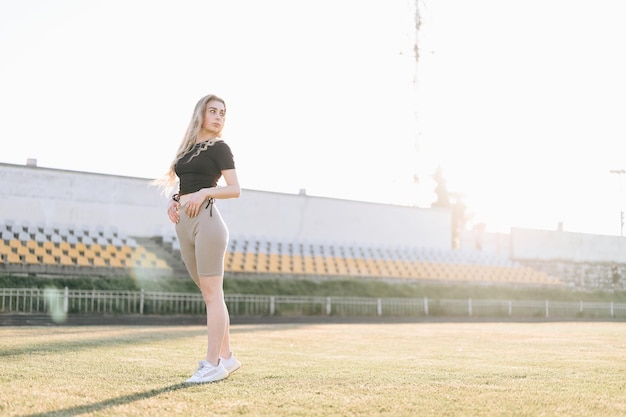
(60, 302)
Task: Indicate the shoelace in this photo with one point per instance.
(198, 372)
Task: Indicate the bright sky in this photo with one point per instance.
(521, 103)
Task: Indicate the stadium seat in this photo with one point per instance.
(22, 250)
(13, 258)
(40, 238)
(5, 249)
(81, 248)
(117, 263)
(117, 242)
(8, 236)
(262, 262)
(96, 249)
(99, 262)
(331, 265)
(319, 263)
(31, 244)
(31, 259)
(48, 259)
(273, 263)
(308, 264)
(65, 260)
(236, 262)
(81, 261)
(249, 262)
(161, 264)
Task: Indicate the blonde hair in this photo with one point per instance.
(168, 181)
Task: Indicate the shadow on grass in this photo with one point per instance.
(72, 344)
(112, 402)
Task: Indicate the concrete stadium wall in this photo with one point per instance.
(52, 196)
(527, 244)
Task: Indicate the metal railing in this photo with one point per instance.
(61, 302)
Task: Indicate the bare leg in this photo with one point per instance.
(216, 315)
(225, 351)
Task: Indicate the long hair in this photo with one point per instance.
(168, 181)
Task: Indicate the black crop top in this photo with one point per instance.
(204, 169)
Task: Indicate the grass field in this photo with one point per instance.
(399, 369)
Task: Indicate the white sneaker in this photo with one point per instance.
(231, 364)
(208, 373)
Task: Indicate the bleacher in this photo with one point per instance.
(263, 256)
(38, 248)
(96, 250)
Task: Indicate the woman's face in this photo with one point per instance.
(214, 117)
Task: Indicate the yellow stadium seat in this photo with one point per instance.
(48, 260)
(65, 260)
(262, 262)
(40, 251)
(274, 264)
(285, 262)
(372, 267)
(82, 261)
(110, 248)
(228, 257)
(117, 263)
(331, 267)
(32, 244)
(13, 258)
(297, 266)
(65, 246)
(23, 250)
(308, 264)
(320, 265)
(5, 249)
(342, 266)
(97, 261)
(145, 263)
(236, 262)
(126, 250)
(31, 259)
(139, 250)
(56, 252)
(160, 263)
(96, 248)
(249, 262)
(361, 266)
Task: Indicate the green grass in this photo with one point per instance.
(325, 288)
(400, 369)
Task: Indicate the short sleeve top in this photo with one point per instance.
(204, 169)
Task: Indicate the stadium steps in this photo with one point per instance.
(155, 245)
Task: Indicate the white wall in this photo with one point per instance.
(52, 196)
(560, 245)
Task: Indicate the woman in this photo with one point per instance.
(202, 159)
